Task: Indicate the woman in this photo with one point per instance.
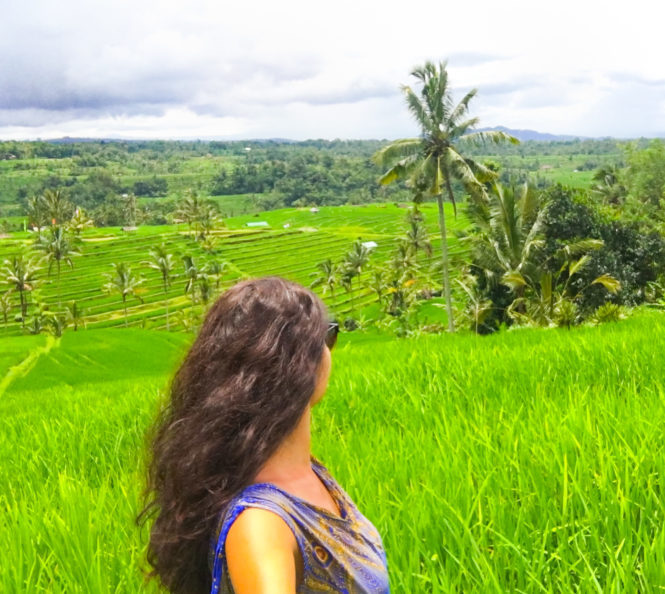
(241, 506)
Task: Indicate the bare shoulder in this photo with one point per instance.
(261, 553)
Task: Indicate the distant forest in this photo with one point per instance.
(254, 175)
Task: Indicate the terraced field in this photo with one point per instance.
(292, 245)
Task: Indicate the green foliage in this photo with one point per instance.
(529, 461)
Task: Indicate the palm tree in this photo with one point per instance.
(129, 209)
(354, 262)
(508, 230)
(191, 276)
(217, 269)
(5, 307)
(79, 221)
(57, 207)
(416, 234)
(432, 161)
(162, 261)
(58, 249)
(328, 276)
(75, 315)
(122, 281)
(19, 271)
(37, 213)
(188, 209)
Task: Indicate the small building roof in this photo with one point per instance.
(257, 224)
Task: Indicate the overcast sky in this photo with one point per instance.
(308, 69)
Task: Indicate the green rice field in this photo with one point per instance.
(527, 461)
(292, 251)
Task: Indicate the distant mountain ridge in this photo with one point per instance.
(525, 135)
(522, 135)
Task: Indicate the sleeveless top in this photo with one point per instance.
(340, 554)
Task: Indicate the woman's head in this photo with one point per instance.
(258, 361)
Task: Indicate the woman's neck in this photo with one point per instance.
(291, 461)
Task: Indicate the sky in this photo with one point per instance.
(297, 69)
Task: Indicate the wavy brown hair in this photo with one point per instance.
(240, 390)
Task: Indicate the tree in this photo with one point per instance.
(19, 272)
(122, 281)
(432, 161)
(75, 314)
(5, 307)
(191, 276)
(58, 249)
(162, 261)
(37, 214)
(79, 221)
(188, 209)
(328, 274)
(56, 206)
(416, 234)
(217, 269)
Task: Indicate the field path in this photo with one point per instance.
(22, 368)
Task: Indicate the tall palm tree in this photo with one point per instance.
(191, 276)
(19, 272)
(162, 261)
(328, 276)
(354, 262)
(217, 269)
(5, 307)
(37, 214)
(124, 282)
(188, 209)
(58, 249)
(57, 207)
(75, 314)
(79, 221)
(416, 233)
(432, 161)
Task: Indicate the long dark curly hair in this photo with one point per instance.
(240, 390)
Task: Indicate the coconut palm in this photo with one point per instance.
(432, 161)
(5, 307)
(162, 261)
(124, 282)
(75, 314)
(58, 208)
(129, 209)
(37, 214)
(507, 238)
(416, 233)
(188, 209)
(19, 272)
(191, 276)
(58, 249)
(79, 221)
(328, 276)
(217, 269)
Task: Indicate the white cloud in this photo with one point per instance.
(299, 69)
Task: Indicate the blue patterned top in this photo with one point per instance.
(340, 554)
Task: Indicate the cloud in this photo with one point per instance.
(300, 69)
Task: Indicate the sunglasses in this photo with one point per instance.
(331, 335)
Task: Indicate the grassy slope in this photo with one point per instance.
(529, 461)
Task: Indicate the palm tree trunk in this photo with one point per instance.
(59, 293)
(23, 308)
(124, 303)
(444, 251)
(167, 308)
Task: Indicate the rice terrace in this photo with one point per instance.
(496, 405)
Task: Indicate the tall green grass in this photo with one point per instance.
(530, 461)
